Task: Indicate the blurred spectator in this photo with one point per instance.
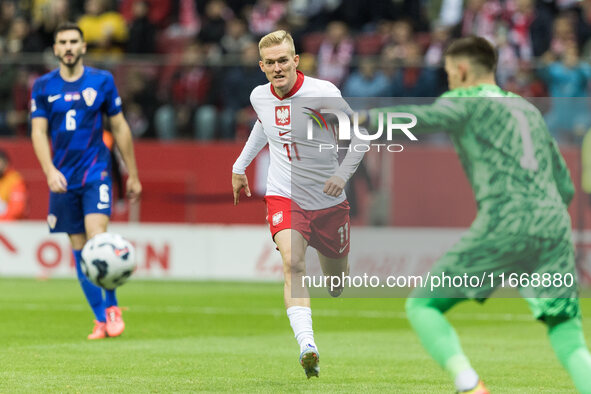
(20, 39)
(159, 11)
(539, 30)
(567, 79)
(142, 33)
(356, 13)
(411, 10)
(413, 79)
(335, 53)
(236, 38)
(523, 30)
(563, 34)
(265, 15)
(439, 41)
(480, 17)
(235, 85)
(47, 16)
(583, 27)
(363, 15)
(310, 15)
(525, 83)
(445, 13)
(186, 22)
(366, 81)
(13, 192)
(187, 111)
(213, 24)
(508, 61)
(104, 29)
(8, 11)
(520, 15)
(137, 95)
(399, 34)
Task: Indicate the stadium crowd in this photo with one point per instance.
(186, 67)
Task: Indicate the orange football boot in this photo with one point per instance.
(99, 331)
(115, 324)
(479, 389)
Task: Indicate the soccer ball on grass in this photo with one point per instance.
(108, 260)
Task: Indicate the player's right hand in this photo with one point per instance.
(57, 181)
(239, 181)
(134, 189)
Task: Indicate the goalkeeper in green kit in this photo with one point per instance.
(522, 188)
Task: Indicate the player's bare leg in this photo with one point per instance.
(334, 267)
(292, 246)
(95, 223)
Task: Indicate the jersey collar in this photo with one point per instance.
(84, 69)
(298, 84)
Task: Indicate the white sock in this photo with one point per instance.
(465, 377)
(300, 318)
(466, 380)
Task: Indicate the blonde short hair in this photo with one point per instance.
(277, 37)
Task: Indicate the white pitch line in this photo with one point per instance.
(275, 312)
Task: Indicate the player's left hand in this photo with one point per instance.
(334, 186)
(134, 189)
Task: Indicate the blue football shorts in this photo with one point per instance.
(67, 210)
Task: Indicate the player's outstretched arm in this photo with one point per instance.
(445, 114)
(124, 141)
(55, 179)
(239, 182)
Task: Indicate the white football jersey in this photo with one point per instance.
(298, 169)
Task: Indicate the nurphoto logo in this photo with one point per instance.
(343, 132)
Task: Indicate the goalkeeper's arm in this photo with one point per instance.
(443, 115)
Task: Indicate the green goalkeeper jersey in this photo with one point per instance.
(503, 144)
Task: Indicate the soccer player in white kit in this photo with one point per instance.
(321, 218)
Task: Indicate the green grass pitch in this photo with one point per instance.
(219, 336)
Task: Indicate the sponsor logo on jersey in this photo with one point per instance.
(51, 99)
(89, 95)
(118, 101)
(282, 115)
(33, 105)
(100, 205)
(277, 218)
(51, 220)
